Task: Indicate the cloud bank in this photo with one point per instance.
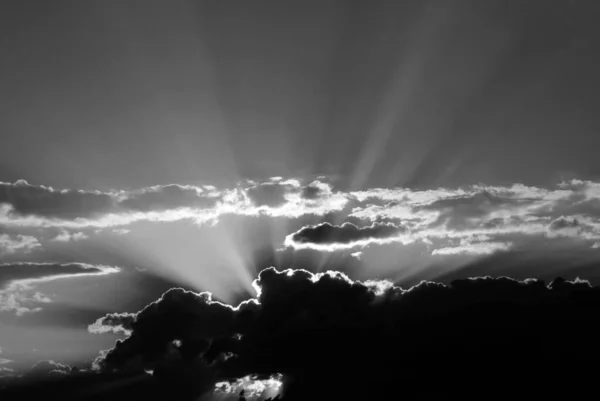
(318, 330)
(449, 220)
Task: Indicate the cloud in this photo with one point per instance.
(113, 323)
(66, 236)
(347, 235)
(563, 223)
(18, 281)
(268, 194)
(12, 244)
(38, 200)
(76, 209)
(356, 255)
(49, 368)
(481, 248)
(169, 197)
(317, 330)
(252, 387)
(438, 216)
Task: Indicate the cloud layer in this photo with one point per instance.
(474, 219)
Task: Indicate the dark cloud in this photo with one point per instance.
(268, 194)
(334, 337)
(311, 192)
(563, 223)
(315, 190)
(346, 233)
(28, 200)
(168, 197)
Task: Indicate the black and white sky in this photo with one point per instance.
(147, 145)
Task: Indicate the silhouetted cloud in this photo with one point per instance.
(319, 329)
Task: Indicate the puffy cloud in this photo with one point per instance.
(347, 235)
(49, 368)
(18, 280)
(356, 255)
(19, 242)
(113, 323)
(318, 330)
(66, 236)
(253, 388)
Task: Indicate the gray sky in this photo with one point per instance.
(414, 93)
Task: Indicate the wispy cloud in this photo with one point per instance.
(24, 205)
(21, 243)
(18, 282)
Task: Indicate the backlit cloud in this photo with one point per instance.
(327, 236)
(38, 200)
(113, 323)
(18, 282)
(314, 329)
(440, 217)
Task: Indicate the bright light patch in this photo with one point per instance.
(252, 386)
(482, 248)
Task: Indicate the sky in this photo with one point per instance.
(147, 145)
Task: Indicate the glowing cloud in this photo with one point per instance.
(330, 237)
(17, 282)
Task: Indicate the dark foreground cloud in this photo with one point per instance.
(334, 338)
